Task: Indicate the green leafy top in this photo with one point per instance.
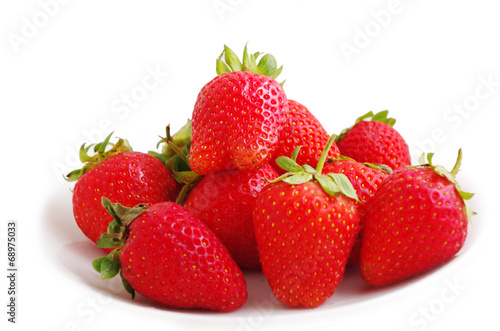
(175, 156)
(118, 230)
(228, 61)
(332, 183)
(450, 175)
(381, 117)
(100, 154)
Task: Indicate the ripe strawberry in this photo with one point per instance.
(224, 202)
(365, 179)
(302, 129)
(416, 221)
(123, 176)
(373, 139)
(238, 116)
(169, 256)
(305, 229)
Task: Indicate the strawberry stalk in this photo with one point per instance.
(332, 183)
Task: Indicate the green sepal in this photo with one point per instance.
(288, 164)
(267, 65)
(381, 117)
(100, 154)
(298, 178)
(327, 184)
(97, 263)
(109, 268)
(344, 185)
(123, 216)
(127, 286)
(108, 240)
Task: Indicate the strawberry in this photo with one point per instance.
(305, 229)
(238, 115)
(123, 175)
(302, 129)
(224, 202)
(416, 220)
(169, 256)
(373, 139)
(365, 179)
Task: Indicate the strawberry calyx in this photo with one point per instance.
(450, 175)
(332, 183)
(172, 144)
(100, 154)
(228, 61)
(118, 230)
(381, 117)
(175, 156)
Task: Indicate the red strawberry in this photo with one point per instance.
(123, 176)
(224, 202)
(416, 221)
(302, 129)
(365, 179)
(169, 256)
(305, 229)
(373, 139)
(238, 116)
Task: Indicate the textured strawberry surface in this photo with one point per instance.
(172, 258)
(130, 178)
(236, 122)
(302, 128)
(366, 181)
(224, 202)
(375, 142)
(304, 238)
(415, 221)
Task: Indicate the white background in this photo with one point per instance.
(68, 67)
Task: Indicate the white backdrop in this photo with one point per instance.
(72, 71)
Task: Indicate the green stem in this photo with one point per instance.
(324, 154)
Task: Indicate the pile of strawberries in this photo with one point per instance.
(254, 181)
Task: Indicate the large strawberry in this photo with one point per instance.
(224, 202)
(122, 175)
(373, 139)
(302, 128)
(365, 179)
(305, 229)
(416, 220)
(238, 115)
(169, 256)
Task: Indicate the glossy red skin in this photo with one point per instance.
(302, 128)
(129, 178)
(375, 142)
(304, 238)
(236, 122)
(224, 201)
(172, 258)
(365, 181)
(416, 221)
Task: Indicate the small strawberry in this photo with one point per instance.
(416, 220)
(238, 115)
(224, 202)
(373, 139)
(365, 179)
(305, 229)
(302, 129)
(123, 176)
(169, 256)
